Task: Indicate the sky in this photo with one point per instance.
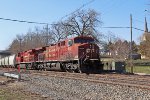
(113, 13)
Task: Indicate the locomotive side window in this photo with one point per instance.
(59, 44)
(62, 43)
(70, 42)
(19, 54)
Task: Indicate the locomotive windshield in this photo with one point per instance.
(83, 40)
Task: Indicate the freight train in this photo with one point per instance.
(77, 54)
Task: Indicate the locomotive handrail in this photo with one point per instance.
(83, 56)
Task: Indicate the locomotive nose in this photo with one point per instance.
(89, 51)
(91, 48)
(89, 58)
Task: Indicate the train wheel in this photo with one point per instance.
(69, 67)
(70, 70)
(39, 67)
(75, 68)
(79, 70)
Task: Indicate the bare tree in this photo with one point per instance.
(80, 24)
(83, 23)
(14, 46)
(119, 49)
(32, 39)
(58, 32)
(107, 43)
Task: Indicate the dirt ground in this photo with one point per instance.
(10, 89)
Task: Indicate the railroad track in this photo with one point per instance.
(129, 80)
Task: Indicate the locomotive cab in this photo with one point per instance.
(87, 49)
(86, 52)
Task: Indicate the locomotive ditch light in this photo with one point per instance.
(87, 50)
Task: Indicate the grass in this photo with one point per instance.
(15, 92)
(136, 69)
(139, 69)
(6, 94)
(141, 66)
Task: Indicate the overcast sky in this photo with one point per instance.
(113, 13)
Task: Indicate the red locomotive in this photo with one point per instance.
(78, 54)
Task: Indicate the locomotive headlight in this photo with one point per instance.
(90, 46)
(93, 50)
(87, 50)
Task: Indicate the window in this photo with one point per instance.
(70, 42)
(58, 44)
(63, 43)
(83, 40)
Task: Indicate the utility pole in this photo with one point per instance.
(131, 43)
(19, 74)
(20, 40)
(47, 34)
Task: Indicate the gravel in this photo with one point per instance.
(71, 89)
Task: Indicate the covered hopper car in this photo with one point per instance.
(8, 61)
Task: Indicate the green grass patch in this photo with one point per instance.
(13, 93)
(139, 69)
(6, 94)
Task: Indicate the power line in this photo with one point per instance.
(115, 27)
(139, 21)
(147, 11)
(112, 4)
(125, 27)
(32, 22)
(23, 21)
(78, 9)
(138, 29)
